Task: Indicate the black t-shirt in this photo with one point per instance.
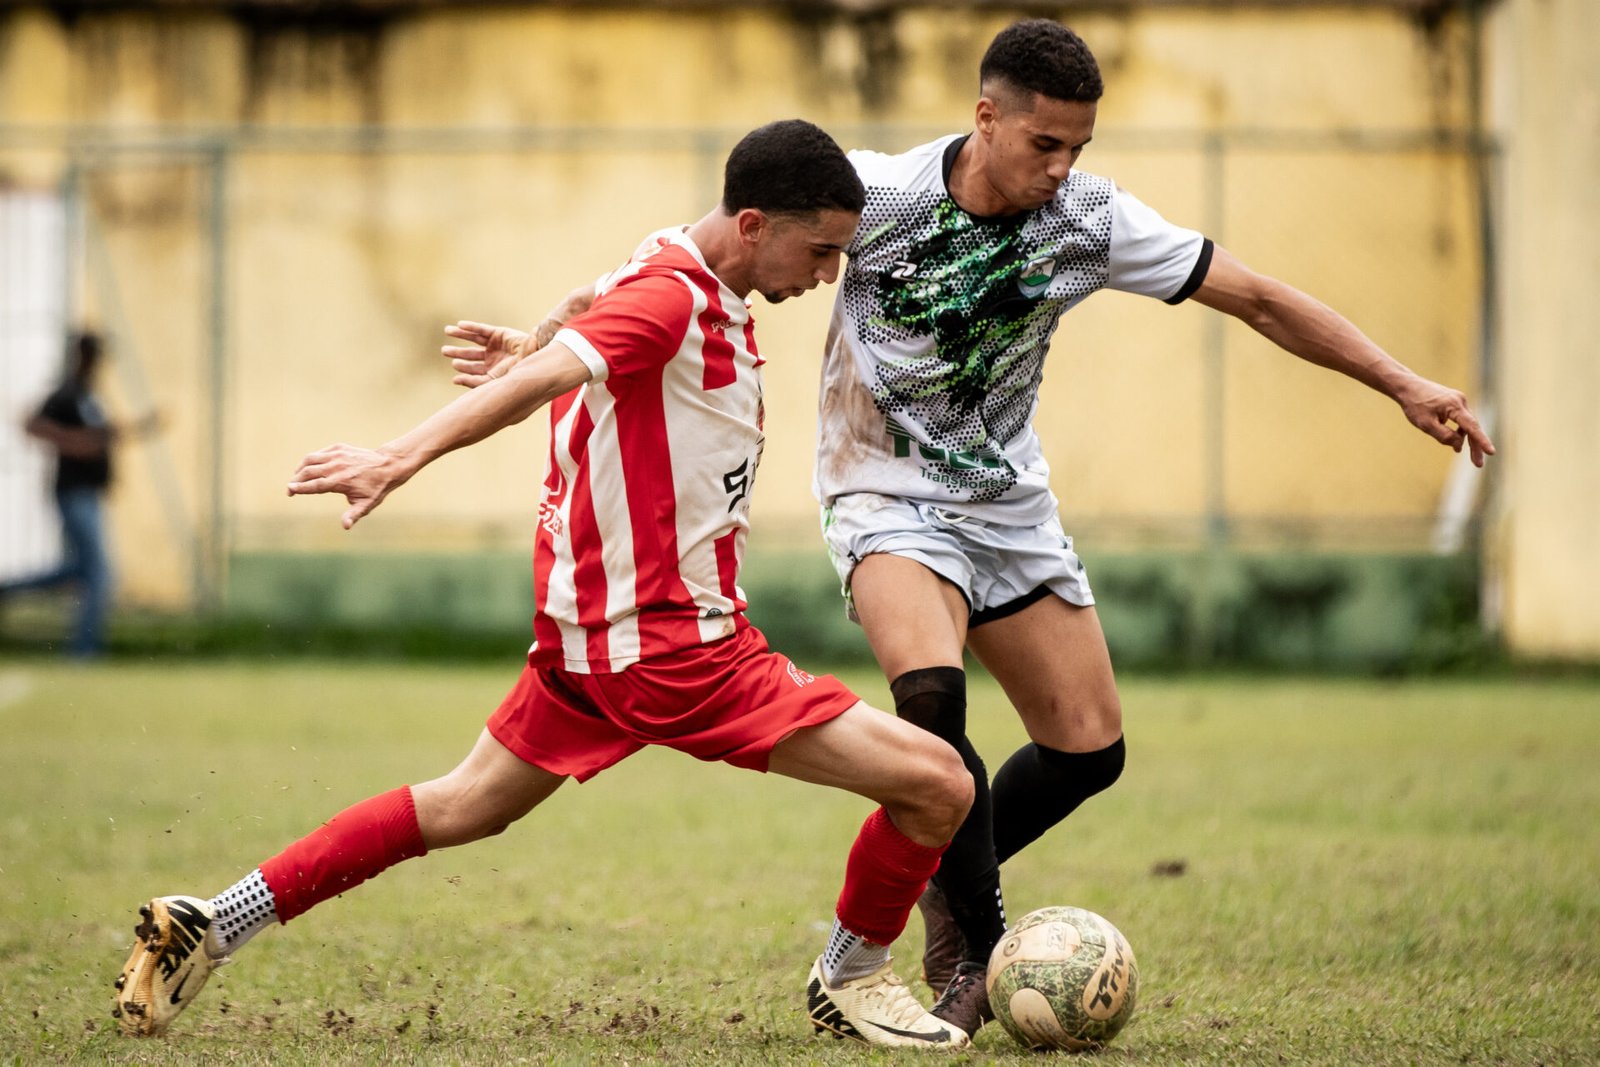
(73, 405)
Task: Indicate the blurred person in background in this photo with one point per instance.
(73, 423)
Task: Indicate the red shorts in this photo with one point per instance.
(730, 701)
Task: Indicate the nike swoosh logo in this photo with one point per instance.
(179, 990)
(937, 1037)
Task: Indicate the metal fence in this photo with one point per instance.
(79, 248)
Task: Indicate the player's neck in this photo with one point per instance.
(969, 184)
(726, 256)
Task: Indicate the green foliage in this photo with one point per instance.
(1352, 614)
(1310, 872)
(1364, 613)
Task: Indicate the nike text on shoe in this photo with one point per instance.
(965, 1001)
(168, 967)
(945, 945)
(877, 1010)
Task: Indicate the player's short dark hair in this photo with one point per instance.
(1043, 56)
(792, 167)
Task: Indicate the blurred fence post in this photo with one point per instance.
(211, 562)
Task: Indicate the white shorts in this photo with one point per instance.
(999, 569)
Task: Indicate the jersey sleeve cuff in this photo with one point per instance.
(1197, 276)
(585, 351)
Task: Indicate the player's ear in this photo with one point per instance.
(752, 224)
(985, 115)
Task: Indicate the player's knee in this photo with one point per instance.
(948, 791)
(1079, 724)
(1105, 724)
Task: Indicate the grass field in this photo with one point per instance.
(1371, 873)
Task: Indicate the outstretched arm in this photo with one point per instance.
(493, 350)
(89, 442)
(73, 442)
(364, 476)
(1318, 334)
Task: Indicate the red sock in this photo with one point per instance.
(343, 852)
(886, 874)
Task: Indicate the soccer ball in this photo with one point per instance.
(1063, 978)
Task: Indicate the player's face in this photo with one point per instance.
(799, 252)
(1033, 145)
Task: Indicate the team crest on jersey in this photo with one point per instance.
(1036, 275)
(800, 677)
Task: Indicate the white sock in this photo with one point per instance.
(850, 956)
(244, 909)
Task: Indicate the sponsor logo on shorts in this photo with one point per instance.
(800, 677)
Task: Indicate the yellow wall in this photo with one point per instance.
(519, 150)
(1545, 102)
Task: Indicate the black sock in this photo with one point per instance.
(935, 698)
(1038, 787)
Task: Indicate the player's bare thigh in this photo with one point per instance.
(917, 777)
(912, 617)
(488, 791)
(1051, 659)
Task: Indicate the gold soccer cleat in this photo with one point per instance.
(169, 965)
(877, 1010)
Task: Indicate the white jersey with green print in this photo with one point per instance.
(940, 329)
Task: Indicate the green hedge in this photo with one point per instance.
(1351, 613)
(1160, 610)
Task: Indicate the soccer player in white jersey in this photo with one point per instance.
(640, 632)
(937, 509)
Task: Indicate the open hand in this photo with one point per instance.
(495, 350)
(363, 476)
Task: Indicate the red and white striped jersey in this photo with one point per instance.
(646, 500)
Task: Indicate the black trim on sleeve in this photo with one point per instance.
(1197, 277)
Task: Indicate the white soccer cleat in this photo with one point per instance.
(168, 967)
(877, 1010)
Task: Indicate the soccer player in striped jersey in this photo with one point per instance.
(640, 634)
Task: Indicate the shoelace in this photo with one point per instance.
(902, 1008)
(956, 990)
